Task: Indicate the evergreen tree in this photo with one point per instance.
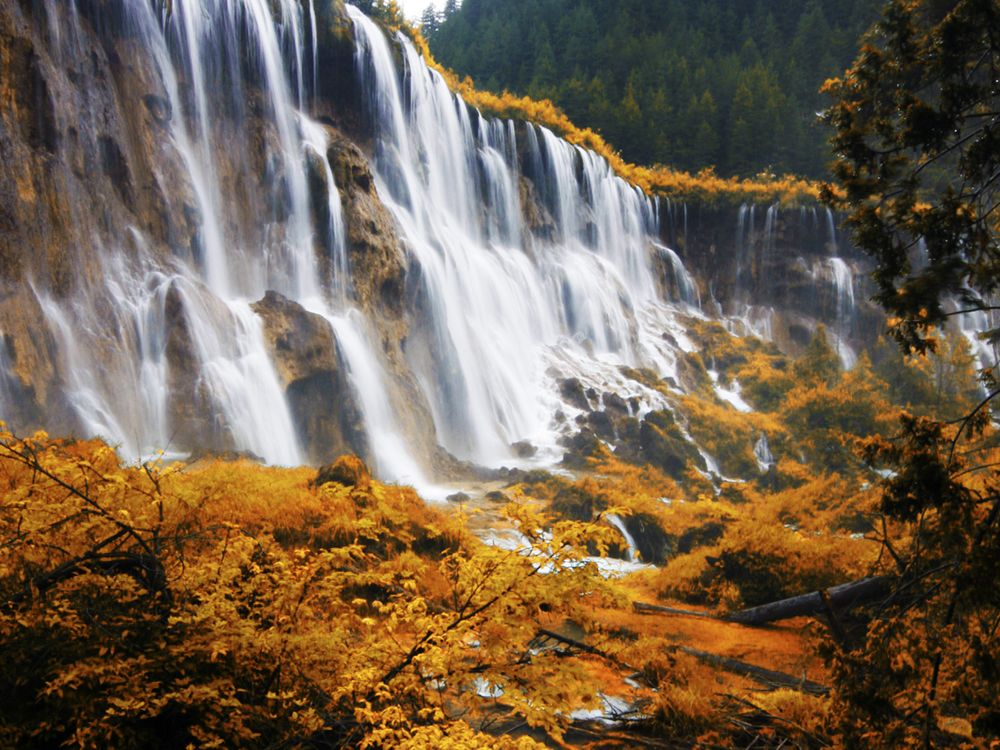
(670, 54)
(916, 121)
(544, 72)
(429, 22)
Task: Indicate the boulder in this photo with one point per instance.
(576, 504)
(700, 536)
(655, 545)
(523, 449)
(308, 364)
(580, 447)
(615, 405)
(572, 392)
(663, 445)
(348, 470)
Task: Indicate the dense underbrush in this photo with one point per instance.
(227, 604)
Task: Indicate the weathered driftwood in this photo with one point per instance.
(838, 598)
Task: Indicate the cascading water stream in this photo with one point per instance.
(838, 274)
(762, 452)
(831, 232)
(971, 322)
(501, 302)
(238, 250)
(631, 551)
(161, 333)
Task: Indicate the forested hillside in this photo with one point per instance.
(689, 84)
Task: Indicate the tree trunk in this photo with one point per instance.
(842, 598)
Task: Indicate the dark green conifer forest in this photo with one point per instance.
(729, 83)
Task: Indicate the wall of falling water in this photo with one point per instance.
(528, 260)
(507, 308)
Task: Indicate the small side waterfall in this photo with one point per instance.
(831, 232)
(682, 280)
(762, 452)
(631, 550)
(786, 275)
(393, 459)
(838, 275)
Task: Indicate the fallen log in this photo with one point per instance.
(660, 609)
(767, 677)
(838, 598)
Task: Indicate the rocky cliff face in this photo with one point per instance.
(259, 226)
(100, 118)
(781, 271)
(314, 378)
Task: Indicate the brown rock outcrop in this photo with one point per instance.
(30, 379)
(348, 470)
(317, 386)
(378, 267)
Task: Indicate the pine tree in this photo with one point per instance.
(916, 121)
(429, 22)
(682, 49)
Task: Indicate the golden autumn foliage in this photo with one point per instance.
(229, 605)
(799, 526)
(925, 671)
(226, 604)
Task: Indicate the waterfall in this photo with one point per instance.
(252, 227)
(770, 219)
(741, 221)
(631, 551)
(831, 232)
(843, 282)
(158, 341)
(683, 282)
(393, 459)
(503, 303)
(836, 272)
(685, 225)
(762, 452)
(970, 324)
(315, 140)
(731, 395)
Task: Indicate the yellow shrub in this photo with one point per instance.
(801, 716)
(233, 605)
